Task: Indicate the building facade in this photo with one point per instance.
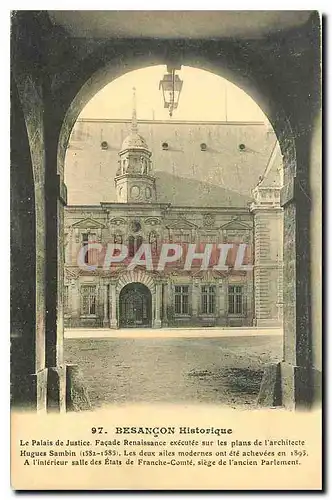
(242, 289)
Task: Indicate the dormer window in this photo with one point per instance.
(104, 145)
(203, 146)
(242, 147)
(165, 146)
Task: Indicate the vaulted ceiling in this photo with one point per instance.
(176, 24)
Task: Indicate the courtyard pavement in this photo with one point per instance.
(209, 367)
(73, 333)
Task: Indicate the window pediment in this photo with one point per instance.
(88, 223)
(181, 224)
(236, 225)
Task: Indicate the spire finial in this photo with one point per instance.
(134, 127)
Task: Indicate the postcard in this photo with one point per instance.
(166, 175)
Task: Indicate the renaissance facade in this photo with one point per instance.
(153, 208)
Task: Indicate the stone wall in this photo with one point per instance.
(222, 175)
(111, 222)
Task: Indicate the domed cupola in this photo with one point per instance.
(134, 141)
(134, 181)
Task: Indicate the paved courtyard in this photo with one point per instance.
(210, 368)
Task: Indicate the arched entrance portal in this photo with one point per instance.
(135, 306)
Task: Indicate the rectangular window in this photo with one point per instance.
(208, 299)
(90, 255)
(235, 299)
(88, 293)
(85, 243)
(181, 299)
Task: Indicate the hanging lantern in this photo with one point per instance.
(171, 86)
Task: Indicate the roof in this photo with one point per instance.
(134, 141)
(236, 156)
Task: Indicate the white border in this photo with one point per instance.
(323, 7)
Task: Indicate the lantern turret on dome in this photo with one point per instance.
(134, 181)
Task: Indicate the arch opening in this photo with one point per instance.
(221, 173)
(135, 306)
(233, 68)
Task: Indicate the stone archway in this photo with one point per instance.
(135, 306)
(232, 65)
(145, 279)
(276, 76)
(297, 348)
(136, 277)
(235, 69)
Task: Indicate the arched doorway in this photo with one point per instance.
(135, 306)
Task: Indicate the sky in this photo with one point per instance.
(205, 96)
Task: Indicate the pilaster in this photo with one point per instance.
(268, 223)
(158, 305)
(106, 304)
(113, 306)
(195, 297)
(296, 383)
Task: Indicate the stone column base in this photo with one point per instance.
(286, 385)
(317, 386)
(156, 323)
(29, 391)
(113, 323)
(77, 398)
(56, 389)
(106, 323)
(296, 386)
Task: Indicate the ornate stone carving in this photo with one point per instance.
(117, 221)
(152, 221)
(118, 239)
(88, 223)
(209, 220)
(135, 226)
(153, 240)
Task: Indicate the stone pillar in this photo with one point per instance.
(75, 302)
(28, 253)
(249, 299)
(158, 306)
(106, 302)
(221, 302)
(316, 241)
(113, 309)
(55, 201)
(165, 304)
(268, 222)
(70, 257)
(195, 296)
(296, 383)
(291, 384)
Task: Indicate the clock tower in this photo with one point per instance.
(134, 180)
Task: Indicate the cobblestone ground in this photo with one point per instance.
(224, 370)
